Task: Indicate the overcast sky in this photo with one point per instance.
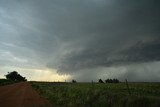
(57, 40)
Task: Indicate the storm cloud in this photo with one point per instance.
(101, 39)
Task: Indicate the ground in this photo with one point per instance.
(100, 94)
(21, 95)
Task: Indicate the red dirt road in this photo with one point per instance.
(21, 95)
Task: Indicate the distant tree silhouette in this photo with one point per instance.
(107, 81)
(74, 81)
(111, 81)
(14, 76)
(100, 81)
(115, 81)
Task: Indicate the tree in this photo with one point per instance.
(100, 81)
(115, 81)
(112, 81)
(74, 81)
(107, 80)
(14, 76)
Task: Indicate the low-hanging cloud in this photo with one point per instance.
(115, 37)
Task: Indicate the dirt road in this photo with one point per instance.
(21, 95)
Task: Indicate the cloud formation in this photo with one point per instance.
(80, 37)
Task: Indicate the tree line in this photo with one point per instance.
(101, 81)
(109, 81)
(15, 76)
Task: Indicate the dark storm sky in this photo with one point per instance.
(87, 39)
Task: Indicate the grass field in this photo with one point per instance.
(100, 95)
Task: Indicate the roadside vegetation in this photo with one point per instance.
(5, 82)
(15, 76)
(100, 94)
(12, 77)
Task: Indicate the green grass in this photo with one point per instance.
(100, 95)
(5, 82)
